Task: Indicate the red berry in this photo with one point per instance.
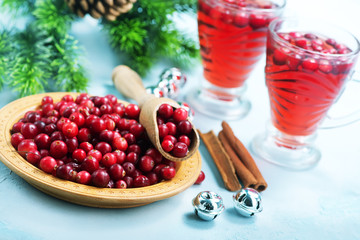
(17, 127)
(33, 157)
(58, 149)
(103, 147)
(146, 163)
(184, 127)
(180, 149)
(47, 99)
(29, 130)
(137, 130)
(84, 135)
(119, 109)
(77, 118)
(86, 146)
(141, 181)
(168, 173)
(61, 123)
(47, 164)
(120, 156)
(120, 143)
(165, 111)
(280, 56)
(180, 114)
(185, 139)
(171, 138)
(154, 154)
(325, 66)
(79, 155)
(83, 177)
(200, 178)
(16, 138)
(132, 157)
(132, 111)
(257, 21)
(167, 145)
(65, 172)
(241, 19)
(129, 168)
(121, 184)
(172, 128)
(96, 154)
(25, 146)
(42, 141)
(310, 64)
(97, 125)
(100, 178)
(153, 178)
(163, 130)
(90, 164)
(70, 129)
(117, 172)
(108, 160)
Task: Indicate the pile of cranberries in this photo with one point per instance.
(295, 60)
(230, 12)
(92, 140)
(174, 130)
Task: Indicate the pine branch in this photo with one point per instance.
(5, 52)
(17, 7)
(68, 73)
(30, 66)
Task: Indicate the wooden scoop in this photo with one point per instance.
(129, 83)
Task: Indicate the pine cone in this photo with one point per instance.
(110, 9)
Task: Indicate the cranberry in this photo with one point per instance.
(280, 56)
(129, 168)
(121, 184)
(180, 149)
(185, 139)
(44, 153)
(105, 109)
(47, 164)
(67, 111)
(79, 155)
(134, 148)
(106, 136)
(108, 160)
(310, 64)
(50, 128)
(129, 181)
(33, 157)
(146, 163)
(100, 178)
(325, 66)
(109, 124)
(184, 127)
(77, 118)
(70, 129)
(120, 143)
(16, 138)
(84, 135)
(61, 123)
(293, 61)
(83, 177)
(163, 130)
(124, 124)
(153, 178)
(42, 141)
(47, 99)
(120, 156)
(29, 130)
(96, 154)
(86, 146)
(116, 172)
(241, 19)
(168, 173)
(171, 127)
(154, 154)
(171, 138)
(95, 111)
(200, 178)
(141, 181)
(97, 125)
(130, 138)
(17, 127)
(180, 114)
(132, 111)
(72, 144)
(25, 146)
(165, 111)
(167, 145)
(137, 130)
(33, 117)
(257, 21)
(119, 108)
(66, 172)
(57, 135)
(103, 147)
(40, 126)
(90, 164)
(58, 149)
(132, 157)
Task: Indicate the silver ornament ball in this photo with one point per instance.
(208, 205)
(247, 202)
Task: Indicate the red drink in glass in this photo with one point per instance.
(232, 37)
(303, 84)
(308, 63)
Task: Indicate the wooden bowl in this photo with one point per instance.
(187, 171)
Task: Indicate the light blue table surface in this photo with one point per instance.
(321, 203)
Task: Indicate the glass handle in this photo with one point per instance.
(348, 106)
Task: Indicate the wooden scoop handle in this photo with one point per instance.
(129, 83)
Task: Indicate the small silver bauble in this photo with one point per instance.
(247, 202)
(208, 205)
(175, 76)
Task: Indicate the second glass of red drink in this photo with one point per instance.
(232, 36)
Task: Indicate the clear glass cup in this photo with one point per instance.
(308, 63)
(232, 36)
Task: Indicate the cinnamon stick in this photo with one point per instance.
(244, 155)
(221, 160)
(246, 177)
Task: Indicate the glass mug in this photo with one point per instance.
(308, 63)
(232, 36)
